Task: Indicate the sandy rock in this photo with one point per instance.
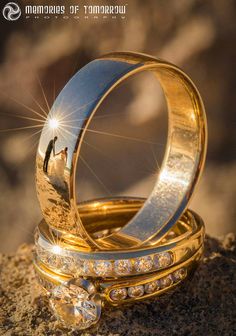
(204, 305)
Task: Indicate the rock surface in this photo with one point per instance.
(206, 305)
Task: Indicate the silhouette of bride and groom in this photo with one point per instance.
(57, 164)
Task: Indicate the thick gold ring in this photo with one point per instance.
(182, 164)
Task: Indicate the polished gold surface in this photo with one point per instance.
(49, 280)
(66, 256)
(111, 214)
(181, 168)
(80, 282)
(117, 250)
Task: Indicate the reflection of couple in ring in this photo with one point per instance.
(49, 150)
(57, 165)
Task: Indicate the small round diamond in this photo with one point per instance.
(135, 291)
(74, 306)
(123, 267)
(163, 259)
(151, 287)
(42, 254)
(118, 294)
(85, 267)
(53, 260)
(179, 274)
(82, 267)
(67, 265)
(166, 281)
(158, 284)
(102, 267)
(143, 264)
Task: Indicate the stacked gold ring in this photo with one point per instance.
(181, 242)
(117, 250)
(114, 277)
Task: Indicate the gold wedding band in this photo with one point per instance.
(182, 164)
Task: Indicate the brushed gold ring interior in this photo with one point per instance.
(182, 164)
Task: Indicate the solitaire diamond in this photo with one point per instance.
(74, 306)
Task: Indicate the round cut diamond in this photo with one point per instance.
(179, 274)
(68, 265)
(136, 291)
(151, 287)
(163, 259)
(53, 260)
(118, 294)
(74, 306)
(41, 253)
(166, 281)
(143, 264)
(80, 267)
(123, 267)
(84, 266)
(102, 267)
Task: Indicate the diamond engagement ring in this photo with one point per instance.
(79, 283)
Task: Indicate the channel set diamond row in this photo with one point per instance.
(124, 293)
(105, 268)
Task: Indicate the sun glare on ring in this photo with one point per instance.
(53, 123)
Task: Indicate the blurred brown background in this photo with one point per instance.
(198, 36)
